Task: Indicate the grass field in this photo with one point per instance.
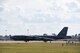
(39, 48)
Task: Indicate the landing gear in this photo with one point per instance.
(45, 41)
(50, 41)
(26, 41)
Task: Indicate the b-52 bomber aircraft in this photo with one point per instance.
(61, 35)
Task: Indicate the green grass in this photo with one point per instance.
(39, 48)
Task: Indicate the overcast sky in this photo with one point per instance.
(39, 16)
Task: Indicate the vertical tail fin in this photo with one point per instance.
(63, 32)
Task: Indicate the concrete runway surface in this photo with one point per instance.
(31, 41)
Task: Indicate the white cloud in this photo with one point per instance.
(34, 14)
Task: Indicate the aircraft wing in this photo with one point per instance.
(45, 38)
